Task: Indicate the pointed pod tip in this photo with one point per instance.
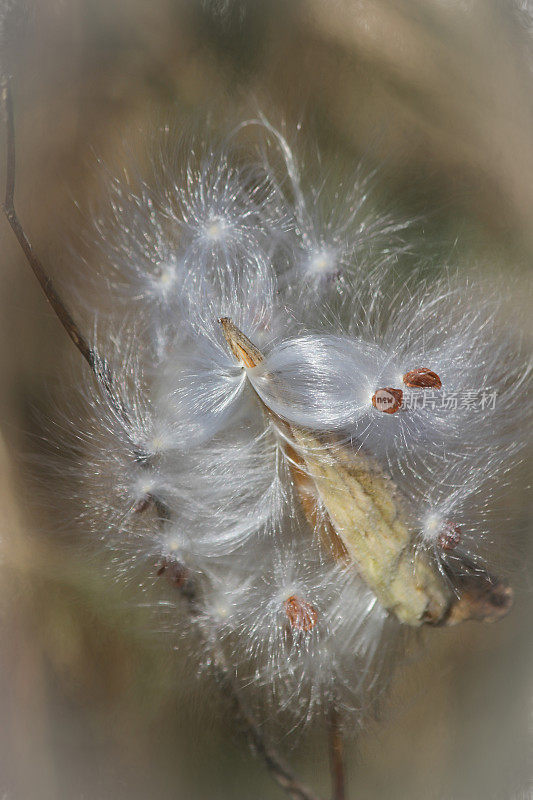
(242, 348)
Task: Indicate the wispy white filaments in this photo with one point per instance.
(259, 461)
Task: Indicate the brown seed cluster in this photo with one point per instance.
(422, 378)
(388, 400)
(301, 614)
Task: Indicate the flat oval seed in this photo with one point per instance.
(422, 378)
(388, 400)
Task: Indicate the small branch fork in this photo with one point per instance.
(279, 771)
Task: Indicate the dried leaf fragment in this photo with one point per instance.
(480, 595)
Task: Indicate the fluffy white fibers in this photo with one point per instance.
(306, 439)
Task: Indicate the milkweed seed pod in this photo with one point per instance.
(297, 431)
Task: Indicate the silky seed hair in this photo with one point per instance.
(284, 391)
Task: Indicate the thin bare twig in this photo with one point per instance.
(279, 771)
(277, 768)
(336, 755)
(224, 673)
(40, 273)
(99, 367)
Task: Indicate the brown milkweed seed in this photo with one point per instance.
(422, 378)
(142, 504)
(450, 536)
(174, 571)
(387, 400)
(302, 615)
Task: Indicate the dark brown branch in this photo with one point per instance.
(336, 755)
(39, 271)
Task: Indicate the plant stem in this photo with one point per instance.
(336, 755)
(39, 271)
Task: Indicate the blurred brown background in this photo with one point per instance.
(93, 703)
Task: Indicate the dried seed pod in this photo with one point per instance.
(422, 378)
(365, 513)
(387, 400)
(450, 536)
(302, 615)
